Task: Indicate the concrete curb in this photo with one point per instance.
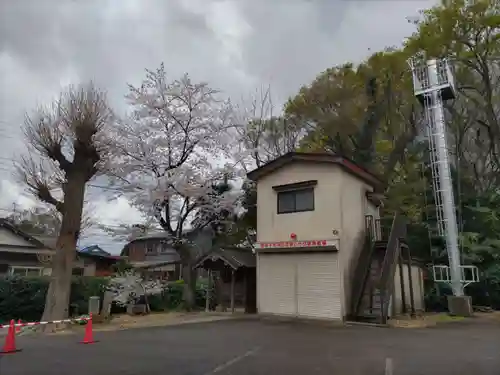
(123, 327)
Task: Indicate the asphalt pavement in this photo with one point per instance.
(264, 348)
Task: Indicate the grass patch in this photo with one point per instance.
(444, 318)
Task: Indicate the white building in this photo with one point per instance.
(314, 211)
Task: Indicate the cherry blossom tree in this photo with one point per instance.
(169, 156)
(129, 286)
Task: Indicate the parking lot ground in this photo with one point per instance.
(263, 347)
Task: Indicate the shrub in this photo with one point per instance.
(24, 297)
(171, 297)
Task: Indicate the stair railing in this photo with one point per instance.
(386, 280)
(363, 265)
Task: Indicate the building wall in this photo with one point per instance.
(354, 207)
(15, 251)
(340, 204)
(151, 249)
(8, 260)
(418, 288)
(89, 268)
(311, 225)
(137, 252)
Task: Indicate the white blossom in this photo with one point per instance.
(167, 155)
(129, 286)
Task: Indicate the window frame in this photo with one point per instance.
(151, 248)
(294, 191)
(25, 268)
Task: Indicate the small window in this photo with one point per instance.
(151, 248)
(296, 201)
(25, 271)
(18, 271)
(77, 271)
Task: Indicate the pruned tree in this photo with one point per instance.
(46, 221)
(264, 134)
(66, 148)
(165, 159)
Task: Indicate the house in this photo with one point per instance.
(96, 262)
(319, 249)
(153, 255)
(22, 254)
(26, 255)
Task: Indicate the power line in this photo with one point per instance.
(105, 187)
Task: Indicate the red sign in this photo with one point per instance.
(290, 244)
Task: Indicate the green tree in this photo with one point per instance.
(366, 112)
(467, 33)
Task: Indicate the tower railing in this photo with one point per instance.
(433, 83)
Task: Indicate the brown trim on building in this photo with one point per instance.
(317, 157)
(25, 250)
(295, 186)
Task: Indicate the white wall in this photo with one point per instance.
(311, 225)
(340, 204)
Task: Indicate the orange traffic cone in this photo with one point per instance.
(18, 328)
(10, 340)
(88, 338)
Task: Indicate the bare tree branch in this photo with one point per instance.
(67, 145)
(46, 137)
(40, 180)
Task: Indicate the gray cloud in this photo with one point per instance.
(236, 45)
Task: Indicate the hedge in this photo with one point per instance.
(24, 297)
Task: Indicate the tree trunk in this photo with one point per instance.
(58, 294)
(189, 276)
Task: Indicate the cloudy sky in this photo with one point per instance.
(236, 45)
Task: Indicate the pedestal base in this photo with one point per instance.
(460, 305)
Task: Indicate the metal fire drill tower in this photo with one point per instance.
(433, 84)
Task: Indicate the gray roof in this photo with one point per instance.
(5, 223)
(233, 257)
(150, 264)
(49, 241)
(200, 241)
(153, 235)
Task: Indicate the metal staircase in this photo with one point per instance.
(374, 275)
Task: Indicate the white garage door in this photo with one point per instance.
(276, 284)
(306, 285)
(318, 286)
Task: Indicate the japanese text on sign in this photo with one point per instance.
(293, 244)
